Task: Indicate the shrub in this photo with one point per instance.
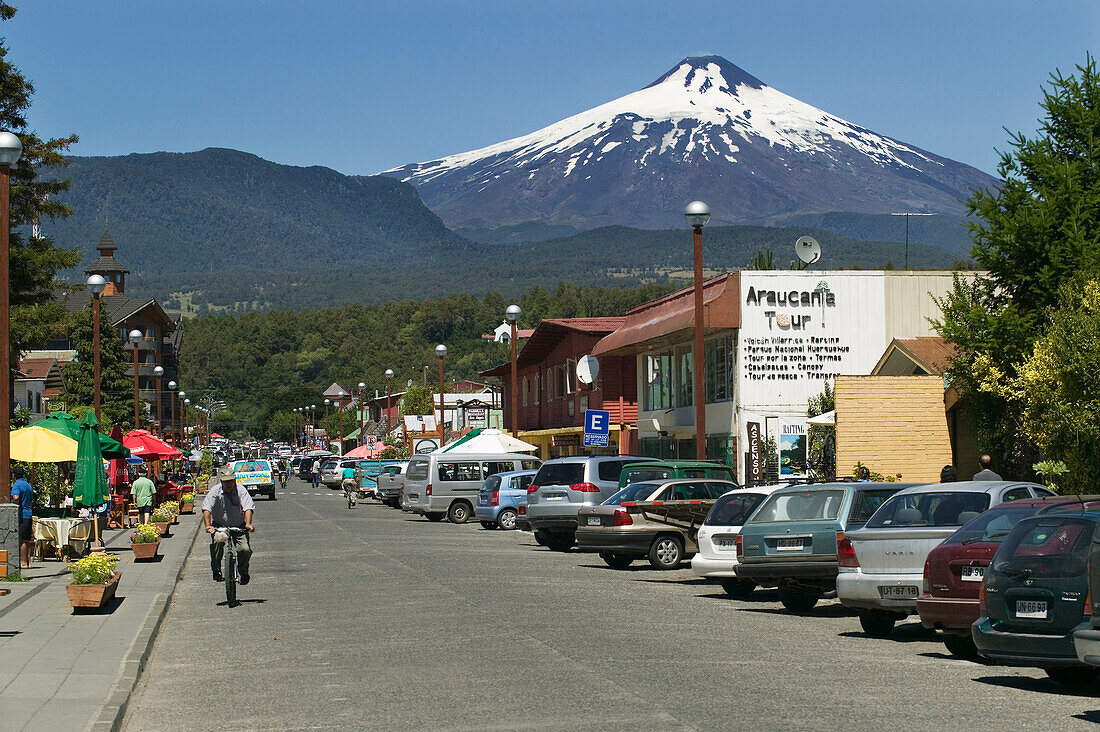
(94, 569)
(144, 534)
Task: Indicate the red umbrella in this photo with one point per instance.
(116, 470)
(145, 445)
(215, 436)
(363, 451)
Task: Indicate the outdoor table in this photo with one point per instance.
(75, 533)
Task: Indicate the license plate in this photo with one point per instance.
(725, 542)
(593, 520)
(899, 592)
(789, 545)
(973, 574)
(1031, 609)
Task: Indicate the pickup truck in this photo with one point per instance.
(656, 519)
(256, 476)
(391, 481)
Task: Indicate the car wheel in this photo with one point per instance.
(488, 525)
(960, 646)
(616, 561)
(877, 623)
(434, 517)
(507, 520)
(540, 537)
(1072, 675)
(559, 542)
(666, 552)
(459, 512)
(798, 601)
(738, 589)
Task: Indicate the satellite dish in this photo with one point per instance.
(588, 368)
(807, 249)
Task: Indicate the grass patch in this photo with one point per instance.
(16, 576)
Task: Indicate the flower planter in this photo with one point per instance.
(93, 595)
(145, 551)
(187, 508)
(175, 519)
(162, 527)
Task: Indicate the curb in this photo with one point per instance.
(113, 712)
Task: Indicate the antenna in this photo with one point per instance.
(807, 249)
(588, 368)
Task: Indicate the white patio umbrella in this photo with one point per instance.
(491, 441)
(823, 420)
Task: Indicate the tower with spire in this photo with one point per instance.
(107, 266)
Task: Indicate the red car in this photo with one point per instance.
(954, 570)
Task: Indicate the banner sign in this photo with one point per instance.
(756, 452)
(252, 472)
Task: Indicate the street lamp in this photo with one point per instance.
(186, 404)
(389, 401)
(158, 372)
(697, 215)
(10, 150)
(172, 386)
(441, 352)
(362, 437)
(135, 339)
(512, 314)
(96, 285)
(313, 424)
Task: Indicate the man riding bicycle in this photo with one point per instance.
(349, 483)
(229, 505)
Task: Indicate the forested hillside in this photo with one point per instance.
(261, 364)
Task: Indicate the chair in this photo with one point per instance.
(44, 538)
(133, 516)
(118, 512)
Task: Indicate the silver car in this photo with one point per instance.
(563, 485)
(882, 563)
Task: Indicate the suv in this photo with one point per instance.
(672, 469)
(332, 472)
(563, 485)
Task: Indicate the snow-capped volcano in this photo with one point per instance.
(705, 130)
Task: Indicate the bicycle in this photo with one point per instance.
(351, 492)
(222, 535)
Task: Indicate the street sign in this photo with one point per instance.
(597, 427)
(477, 417)
(371, 441)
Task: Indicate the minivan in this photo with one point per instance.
(441, 485)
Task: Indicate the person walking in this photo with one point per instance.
(22, 493)
(986, 472)
(316, 472)
(142, 491)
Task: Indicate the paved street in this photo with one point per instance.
(370, 618)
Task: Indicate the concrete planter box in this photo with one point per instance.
(145, 551)
(93, 595)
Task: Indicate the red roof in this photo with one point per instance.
(36, 368)
(550, 332)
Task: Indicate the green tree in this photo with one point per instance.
(280, 426)
(764, 259)
(418, 400)
(116, 379)
(1035, 234)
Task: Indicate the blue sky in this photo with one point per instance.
(365, 86)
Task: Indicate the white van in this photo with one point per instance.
(447, 484)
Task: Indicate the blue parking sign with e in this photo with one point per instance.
(597, 427)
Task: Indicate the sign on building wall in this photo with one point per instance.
(800, 329)
(477, 417)
(597, 427)
(756, 452)
(793, 440)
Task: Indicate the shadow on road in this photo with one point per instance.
(256, 600)
(1042, 686)
(1093, 716)
(829, 611)
(907, 633)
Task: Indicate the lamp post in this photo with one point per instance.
(96, 285)
(441, 352)
(186, 404)
(10, 150)
(183, 421)
(172, 386)
(159, 373)
(340, 410)
(512, 314)
(327, 403)
(389, 402)
(697, 215)
(313, 424)
(294, 422)
(135, 339)
(362, 437)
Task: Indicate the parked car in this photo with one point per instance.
(672, 469)
(882, 564)
(447, 484)
(391, 479)
(954, 570)
(499, 498)
(1087, 640)
(656, 519)
(1035, 596)
(790, 542)
(717, 538)
(332, 471)
(522, 524)
(563, 485)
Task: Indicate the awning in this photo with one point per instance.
(823, 420)
(669, 318)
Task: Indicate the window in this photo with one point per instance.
(610, 469)
(417, 470)
(990, 527)
(953, 508)
(550, 385)
(658, 381)
(800, 506)
(584, 402)
(491, 483)
(561, 383)
(685, 394)
(537, 387)
(531, 464)
(560, 474)
(732, 510)
(459, 471)
(635, 475)
(1015, 494)
(151, 333)
(520, 482)
(634, 492)
(526, 388)
(571, 408)
(498, 467)
(718, 360)
(1043, 547)
(866, 503)
(570, 376)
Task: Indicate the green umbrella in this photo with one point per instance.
(68, 425)
(90, 487)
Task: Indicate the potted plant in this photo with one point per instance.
(162, 520)
(145, 541)
(173, 509)
(94, 580)
(187, 503)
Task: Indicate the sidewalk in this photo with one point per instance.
(61, 670)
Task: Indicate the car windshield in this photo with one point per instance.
(417, 470)
(560, 474)
(809, 505)
(993, 526)
(1046, 546)
(733, 509)
(634, 492)
(939, 508)
(634, 475)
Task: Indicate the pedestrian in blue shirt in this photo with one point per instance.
(23, 494)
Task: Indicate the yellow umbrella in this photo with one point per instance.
(36, 444)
